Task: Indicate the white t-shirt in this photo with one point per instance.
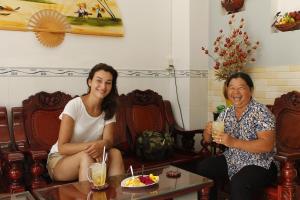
(86, 128)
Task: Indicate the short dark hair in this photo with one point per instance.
(243, 76)
(109, 104)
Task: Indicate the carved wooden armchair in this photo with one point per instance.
(146, 110)
(287, 112)
(11, 161)
(35, 128)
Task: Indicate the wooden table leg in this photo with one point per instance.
(203, 194)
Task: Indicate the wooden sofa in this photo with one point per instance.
(36, 126)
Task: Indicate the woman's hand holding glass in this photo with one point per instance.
(208, 132)
(214, 131)
(223, 138)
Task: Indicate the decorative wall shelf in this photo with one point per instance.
(287, 17)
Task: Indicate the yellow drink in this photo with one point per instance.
(98, 174)
(217, 126)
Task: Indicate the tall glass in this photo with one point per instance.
(217, 126)
(97, 174)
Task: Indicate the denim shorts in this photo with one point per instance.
(53, 159)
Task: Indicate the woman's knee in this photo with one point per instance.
(116, 165)
(85, 158)
(115, 154)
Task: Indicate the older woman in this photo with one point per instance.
(249, 136)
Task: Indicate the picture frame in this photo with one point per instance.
(90, 17)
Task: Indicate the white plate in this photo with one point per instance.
(124, 181)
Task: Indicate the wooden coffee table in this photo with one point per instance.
(166, 188)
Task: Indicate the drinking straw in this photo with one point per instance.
(131, 170)
(103, 154)
(105, 157)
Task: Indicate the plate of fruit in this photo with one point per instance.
(140, 181)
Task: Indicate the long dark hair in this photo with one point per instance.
(109, 104)
(243, 76)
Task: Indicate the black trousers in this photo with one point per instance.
(244, 185)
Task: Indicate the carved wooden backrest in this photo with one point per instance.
(120, 137)
(145, 111)
(287, 112)
(41, 122)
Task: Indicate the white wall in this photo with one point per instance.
(199, 36)
(154, 31)
(147, 32)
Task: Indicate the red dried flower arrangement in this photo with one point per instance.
(233, 52)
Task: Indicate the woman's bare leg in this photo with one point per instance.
(73, 167)
(116, 165)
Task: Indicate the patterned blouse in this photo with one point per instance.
(255, 118)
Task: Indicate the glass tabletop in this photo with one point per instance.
(166, 187)
(17, 196)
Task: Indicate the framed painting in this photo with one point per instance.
(92, 17)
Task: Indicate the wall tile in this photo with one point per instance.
(269, 83)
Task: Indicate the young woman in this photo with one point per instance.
(249, 135)
(87, 125)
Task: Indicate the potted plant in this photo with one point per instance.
(219, 109)
(231, 52)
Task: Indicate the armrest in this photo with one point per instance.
(283, 157)
(186, 136)
(19, 135)
(181, 131)
(187, 142)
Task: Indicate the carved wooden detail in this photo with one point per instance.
(144, 97)
(47, 101)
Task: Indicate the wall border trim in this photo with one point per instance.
(83, 72)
